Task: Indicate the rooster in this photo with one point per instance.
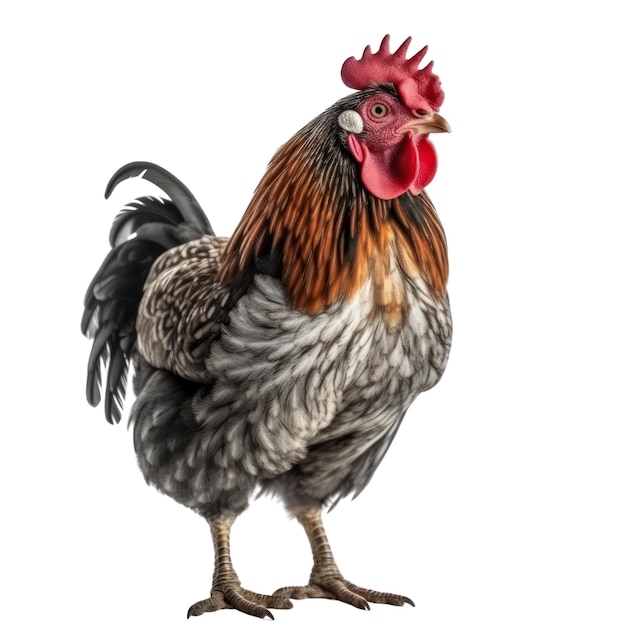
(283, 359)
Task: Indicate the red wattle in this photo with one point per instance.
(387, 173)
(428, 166)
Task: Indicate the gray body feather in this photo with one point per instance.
(305, 406)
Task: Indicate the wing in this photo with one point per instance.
(184, 308)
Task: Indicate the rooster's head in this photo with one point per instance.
(388, 132)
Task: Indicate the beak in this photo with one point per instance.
(433, 123)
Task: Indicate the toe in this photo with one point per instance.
(379, 597)
(214, 603)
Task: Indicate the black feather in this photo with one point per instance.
(116, 384)
(181, 196)
(141, 232)
(142, 211)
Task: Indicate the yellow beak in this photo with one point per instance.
(432, 123)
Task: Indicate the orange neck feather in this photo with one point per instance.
(330, 235)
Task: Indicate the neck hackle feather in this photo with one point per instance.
(327, 234)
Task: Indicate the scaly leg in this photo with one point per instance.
(326, 580)
(227, 592)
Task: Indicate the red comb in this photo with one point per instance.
(414, 85)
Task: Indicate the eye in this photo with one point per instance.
(379, 110)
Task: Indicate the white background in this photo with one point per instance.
(502, 500)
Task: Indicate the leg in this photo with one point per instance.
(227, 592)
(326, 580)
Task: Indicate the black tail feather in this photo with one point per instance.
(182, 198)
(136, 214)
(117, 377)
(141, 232)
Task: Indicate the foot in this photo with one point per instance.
(336, 587)
(235, 597)
(227, 592)
(326, 580)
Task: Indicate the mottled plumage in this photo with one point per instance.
(284, 357)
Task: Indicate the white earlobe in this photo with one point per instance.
(351, 121)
